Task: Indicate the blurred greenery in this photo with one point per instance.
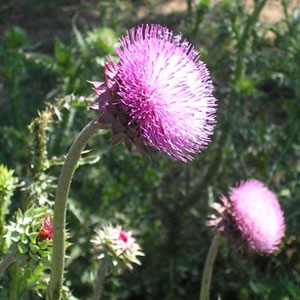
(48, 51)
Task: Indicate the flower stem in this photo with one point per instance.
(208, 268)
(8, 260)
(285, 149)
(15, 282)
(242, 42)
(59, 220)
(99, 283)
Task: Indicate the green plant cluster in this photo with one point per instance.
(22, 236)
(8, 184)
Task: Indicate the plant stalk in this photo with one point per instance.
(100, 279)
(59, 220)
(13, 295)
(208, 268)
(7, 261)
(252, 19)
(285, 149)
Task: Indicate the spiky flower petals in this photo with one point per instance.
(254, 213)
(159, 94)
(117, 245)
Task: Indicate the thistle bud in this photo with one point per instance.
(117, 245)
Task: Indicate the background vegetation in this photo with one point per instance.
(48, 51)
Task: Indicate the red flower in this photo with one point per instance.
(46, 232)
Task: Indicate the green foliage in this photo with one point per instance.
(32, 253)
(17, 73)
(22, 235)
(40, 183)
(102, 40)
(7, 186)
(15, 38)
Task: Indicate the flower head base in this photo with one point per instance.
(118, 245)
(158, 95)
(253, 213)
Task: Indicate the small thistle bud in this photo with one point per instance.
(117, 245)
(253, 213)
(31, 236)
(46, 231)
(159, 94)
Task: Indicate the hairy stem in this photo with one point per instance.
(208, 268)
(99, 283)
(59, 220)
(7, 261)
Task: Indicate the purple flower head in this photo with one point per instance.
(254, 212)
(159, 94)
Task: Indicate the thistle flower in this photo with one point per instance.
(252, 212)
(159, 94)
(46, 232)
(118, 245)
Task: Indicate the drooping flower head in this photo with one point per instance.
(118, 245)
(159, 94)
(253, 212)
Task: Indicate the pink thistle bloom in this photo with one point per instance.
(255, 213)
(126, 239)
(159, 94)
(46, 232)
(123, 240)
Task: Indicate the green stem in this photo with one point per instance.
(208, 268)
(99, 283)
(189, 7)
(8, 260)
(252, 19)
(59, 220)
(15, 282)
(284, 151)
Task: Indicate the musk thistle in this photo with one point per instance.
(251, 212)
(159, 94)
